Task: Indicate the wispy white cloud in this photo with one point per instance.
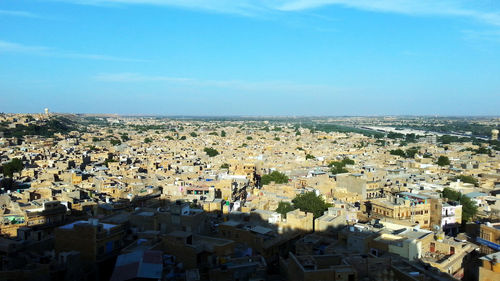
(15, 13)
(136, 77)
(19, 48)
(11, 47)
(261, 86)
(488, 35)
(481, 10)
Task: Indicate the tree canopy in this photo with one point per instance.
(14, 166)
(275, 176)
(211, 152)
(469, 208)
(338, 167)
(443, 161)
(467, 179)
(409, 153)
(311, 203)
(284, 207)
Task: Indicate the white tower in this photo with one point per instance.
(494, 134)
(46, 111)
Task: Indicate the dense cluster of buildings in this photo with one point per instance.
(156, 205)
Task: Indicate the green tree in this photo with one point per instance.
(109, 160)
(398, 152)
(347, 161)
(410, 153)
(115, 142)
(224, 166)
(337, 167)
(467, 179)
(275, 176)
(483, 150)
(183, 138)
(311, 203)
(469, 208)
(309, 156)
(148, 140)
(223, 134)
(213, 134)
(193, 134)
(14, 166)
(284, 207)
(443, 161)
(211, 152)
(249, 138)
(124, 137)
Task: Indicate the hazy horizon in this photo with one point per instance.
(254, 116)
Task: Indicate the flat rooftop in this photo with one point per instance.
(106, 226)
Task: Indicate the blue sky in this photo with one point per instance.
(251, 57)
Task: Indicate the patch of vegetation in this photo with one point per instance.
(124, 137)
(337, 167)
(46, 128)
(409, 153)
(211, 152)
(284, 207)
(467, 179)
(277, 177)
(469, 208)
(109, 160)
(13, 166)
(443, 161)
(311, 203)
